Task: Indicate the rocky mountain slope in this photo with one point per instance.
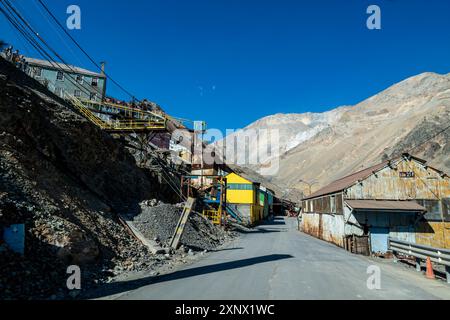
(323, 147)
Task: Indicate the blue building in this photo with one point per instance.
(79, 82)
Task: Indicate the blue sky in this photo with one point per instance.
(231, 62)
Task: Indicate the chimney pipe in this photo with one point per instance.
(102, 64)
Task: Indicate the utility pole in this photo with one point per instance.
(199, 129)
(309, 184)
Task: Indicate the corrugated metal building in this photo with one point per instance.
(402, 198)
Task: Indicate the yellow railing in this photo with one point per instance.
(213, 215)
(127, 111)
(117, 125)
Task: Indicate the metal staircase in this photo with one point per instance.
(234, 213)
(139, 120)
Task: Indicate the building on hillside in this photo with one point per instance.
(402, 198)
(248, 198)
(79, 82)
(182, 151)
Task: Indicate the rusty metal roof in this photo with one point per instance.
(59, 65)
(347, 181)
(387, 205)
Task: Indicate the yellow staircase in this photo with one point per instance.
(213, 215)
(141, 120)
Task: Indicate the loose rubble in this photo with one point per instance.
(158, 221)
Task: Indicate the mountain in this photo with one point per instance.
(322, 147)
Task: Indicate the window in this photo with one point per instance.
(80, 78)
(77, 93)
(328, 205)
(37, 72)
(339, 208)
(307, 206)
(333, 204)
(446, 208)
(94, 82)
(433, 209)
(240, 186)
(93, 96)
(60, 76)
(59, 92)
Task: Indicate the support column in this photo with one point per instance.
(418, 266)
(447, 273)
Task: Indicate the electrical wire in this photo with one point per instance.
(83, 50)
(18, 21)
(13, 11)
(19, 27)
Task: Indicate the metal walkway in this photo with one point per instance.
(136, 119)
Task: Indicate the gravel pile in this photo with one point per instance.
(159, 221)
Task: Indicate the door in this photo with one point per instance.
(379, 239)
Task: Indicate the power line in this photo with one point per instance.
(431, 138)
(63, 40)
(12, 17)
(19, 25)
(81, 48)
(34, 32)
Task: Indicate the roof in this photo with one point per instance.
(347, 181)
(69, 68)
(385, 205)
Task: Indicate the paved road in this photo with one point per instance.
(278, 262)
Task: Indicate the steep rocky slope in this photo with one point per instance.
(67, 181)
(323, 147)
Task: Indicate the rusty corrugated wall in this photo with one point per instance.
(324, 226)
(434, 233)
(388, 184)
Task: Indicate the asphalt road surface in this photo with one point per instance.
(278, 262)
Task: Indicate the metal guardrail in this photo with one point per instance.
(115, 125)
(422, 252)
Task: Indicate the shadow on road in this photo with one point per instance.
(227, 249)
(115, 288)
(261, 230)
(274, 222)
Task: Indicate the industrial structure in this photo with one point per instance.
(402, 198)
(225, 196)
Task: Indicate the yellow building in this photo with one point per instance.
(245, 197)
